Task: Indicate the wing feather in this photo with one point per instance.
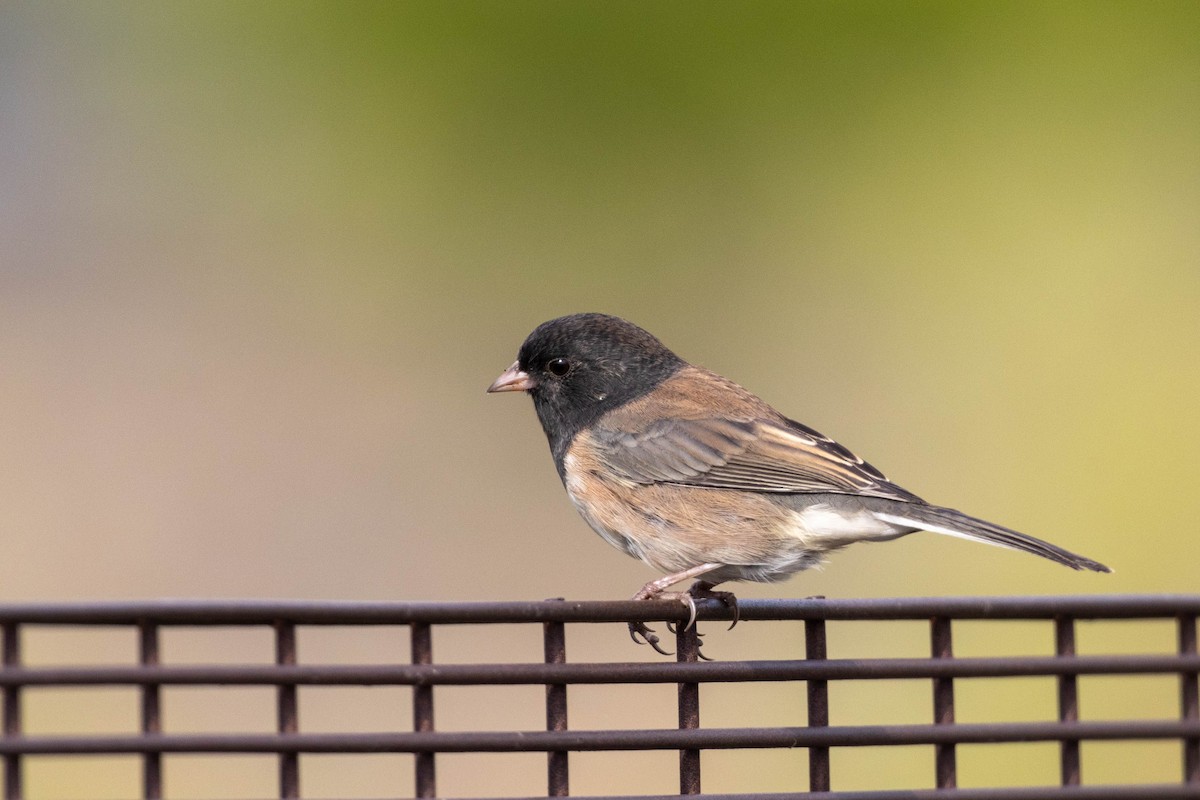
(755, 455)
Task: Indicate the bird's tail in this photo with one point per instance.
(955, 523)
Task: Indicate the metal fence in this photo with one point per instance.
(816, 670)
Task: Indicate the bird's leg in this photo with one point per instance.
(654, 590)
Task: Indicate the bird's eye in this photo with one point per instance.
(558, 366)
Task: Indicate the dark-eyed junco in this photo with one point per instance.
(701, 479)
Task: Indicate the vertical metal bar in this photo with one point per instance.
(555, 642)
(1189, 700)
(288, 712)
(12, 711)
(422, 653)
(941, 646)
(687, 648)
(152, 780)
(818, 705)
(1068, 700)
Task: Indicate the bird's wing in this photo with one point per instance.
(756, 455)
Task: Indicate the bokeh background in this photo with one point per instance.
(259, 261)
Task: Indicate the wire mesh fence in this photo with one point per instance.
(816, 737)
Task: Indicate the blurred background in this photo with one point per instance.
(258, 263)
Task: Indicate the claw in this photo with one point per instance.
(736, 611)
(702, 590)
(687, 600)
(699, 640)
(691, 607)
(648, 635)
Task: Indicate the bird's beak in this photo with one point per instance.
(513, 379)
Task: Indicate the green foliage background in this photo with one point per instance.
(258, 262)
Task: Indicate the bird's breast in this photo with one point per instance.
(599, 506)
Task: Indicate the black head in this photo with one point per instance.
(580, 366)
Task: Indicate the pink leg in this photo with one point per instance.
(655, 588)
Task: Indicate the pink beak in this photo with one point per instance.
(513, 379)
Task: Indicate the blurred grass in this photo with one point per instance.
(258, 261)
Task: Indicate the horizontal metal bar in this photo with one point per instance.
(313, 612)
(650, 739)
(1128, 792)
(615, 673)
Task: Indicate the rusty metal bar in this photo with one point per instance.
(557, 766)
(312, 612)
(687, 651)
(815, 649)
(557, 741)
(601, 673)
(1142, 792)
(1189, 699)
(942, 648)
(151, 711)
(602, 740)
(287, 711)
(1068, 701)
(421, 638)
(11, 659)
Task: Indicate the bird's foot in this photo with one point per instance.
(703, 590)
(654, 591)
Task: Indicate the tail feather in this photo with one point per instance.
(955, 523)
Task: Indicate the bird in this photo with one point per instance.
(699, 478)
